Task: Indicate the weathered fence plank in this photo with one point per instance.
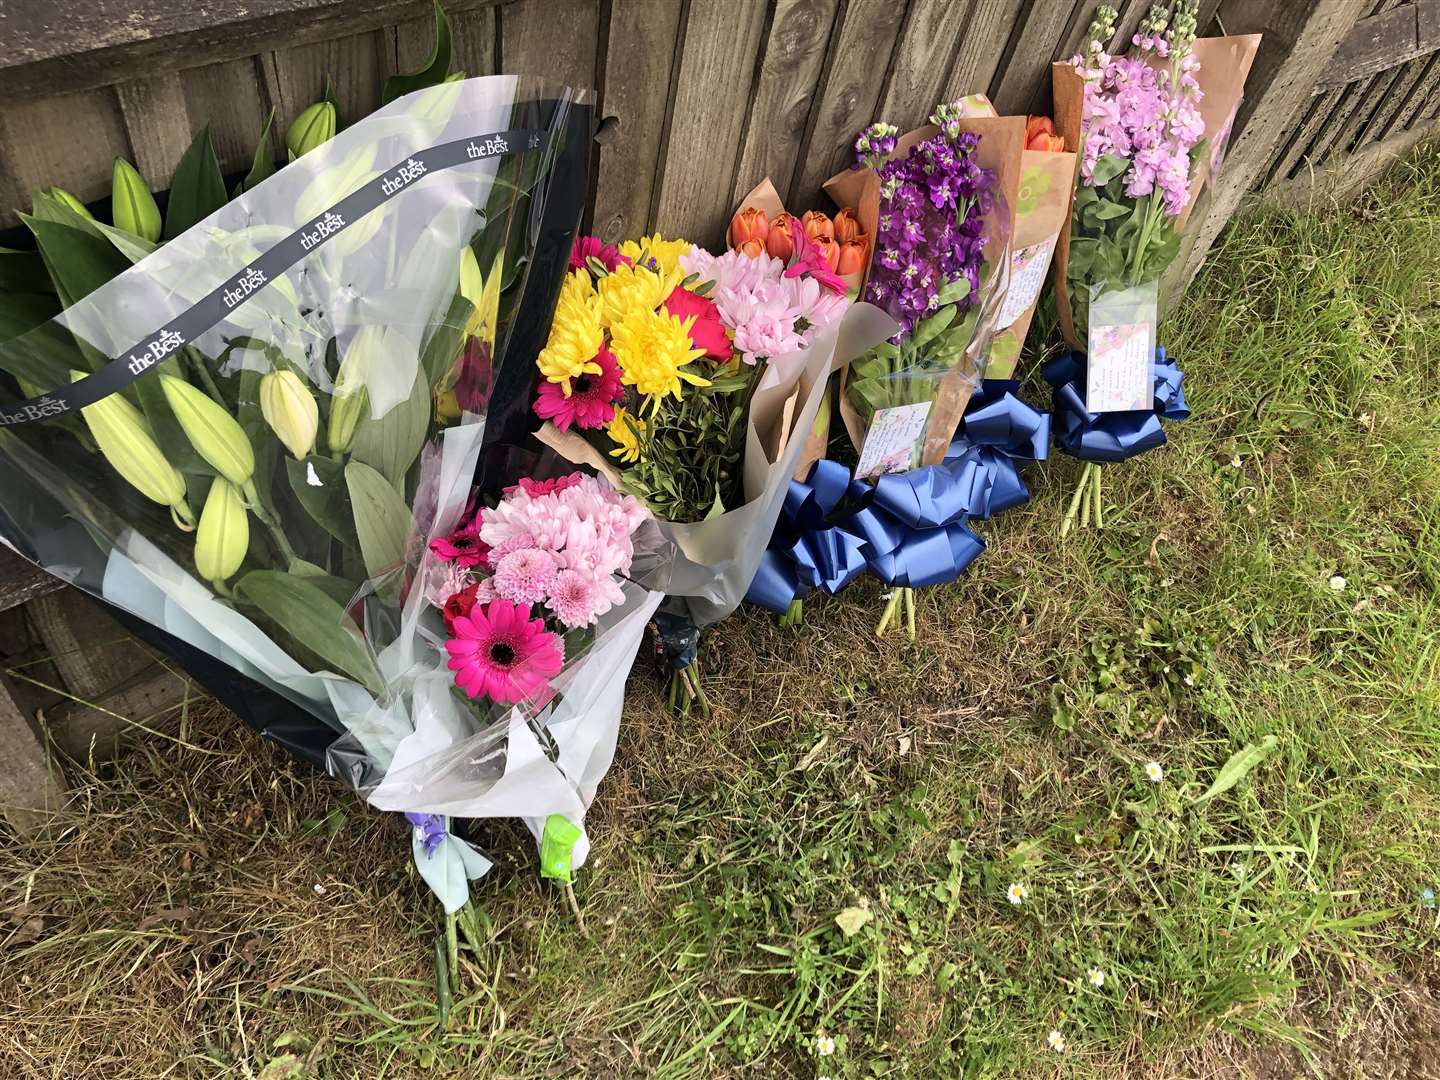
(157, 125)
(794, 52)
(637, 87)
(978, 59)
(227, 97)
(556, 40)
(921, 64)
(848, 94)
(69, 141)
(712, 98)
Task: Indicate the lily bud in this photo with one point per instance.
(817, 226)
(122, 435)
(290, 410)
(847, 226)
(311, 128)
(69, 200)
(212, 431)
(780, 244)
(350, 398)
(747, 225)
(223, 537)
(853, 256)
(132, 207)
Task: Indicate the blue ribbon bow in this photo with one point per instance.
(1115, 436)
(907, 528)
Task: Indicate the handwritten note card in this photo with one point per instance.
(894, 440)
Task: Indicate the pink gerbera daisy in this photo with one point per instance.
(500, 653)
(463, 547)
(536, 488)
(591, 401)
(590, 247)
(574, 598)
(525, 576)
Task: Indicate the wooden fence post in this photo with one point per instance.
(1300, 39)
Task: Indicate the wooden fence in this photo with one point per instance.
(711, 96)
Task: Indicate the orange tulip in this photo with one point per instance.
(1043, 141)
(752, 247)
(747, 225)
(1037, 124)
(854, 254)
(781, 243)
(818, 226)
(829, 250)
(847, 226)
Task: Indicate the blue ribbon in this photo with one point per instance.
(908, 528)
(1114, 436)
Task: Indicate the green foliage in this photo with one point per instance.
(435, 71)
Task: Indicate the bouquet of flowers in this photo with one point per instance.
(259, 444)
(1142, 122)
(940, 200)
(691, 380)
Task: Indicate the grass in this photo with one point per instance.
(213, 909)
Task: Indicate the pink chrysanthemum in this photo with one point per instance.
(525, 576)
(591, 401)
(575, 598)
(463, 547)
(590, 247)
(499, 652)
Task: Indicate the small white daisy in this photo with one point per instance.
(1056, 1041)
(825, 1046)
(1095, 977)
(1235, 461)
(1337, 583)
(1153, 772)
(1017, 893)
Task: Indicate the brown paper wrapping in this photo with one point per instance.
(1002, 141)
(1224, 66)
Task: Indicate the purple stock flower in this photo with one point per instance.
(931, 227)
(431, 828)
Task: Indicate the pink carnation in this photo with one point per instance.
(708, 332)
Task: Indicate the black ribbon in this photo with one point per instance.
(236, 290)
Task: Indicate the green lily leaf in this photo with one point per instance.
(23, 271)
(382, 520)
(328, 501)
(313, 619)
(21, 312)
(392, 442)
(79, 261)
(435, 69)
(262, 164)
(198, 188)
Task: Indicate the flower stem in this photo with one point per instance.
(890, 609)
(1098, 500)
(794, 614)
(1085, 497)
(1069, 522)
(910, 613)
(452, 952)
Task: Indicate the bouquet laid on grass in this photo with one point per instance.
(259, 441)
(691, 380)
(1142, 123)
(937, 202)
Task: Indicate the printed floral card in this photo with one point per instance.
(895, 439)
(1121, 355)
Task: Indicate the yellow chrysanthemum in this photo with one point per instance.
(630, 289)
(575, 335)
(665, 253)
(622, 431)
(652, 349)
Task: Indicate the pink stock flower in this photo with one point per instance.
(591, 247)
(525, 576)
(591, 401)
(499, 652)
(708, 332)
